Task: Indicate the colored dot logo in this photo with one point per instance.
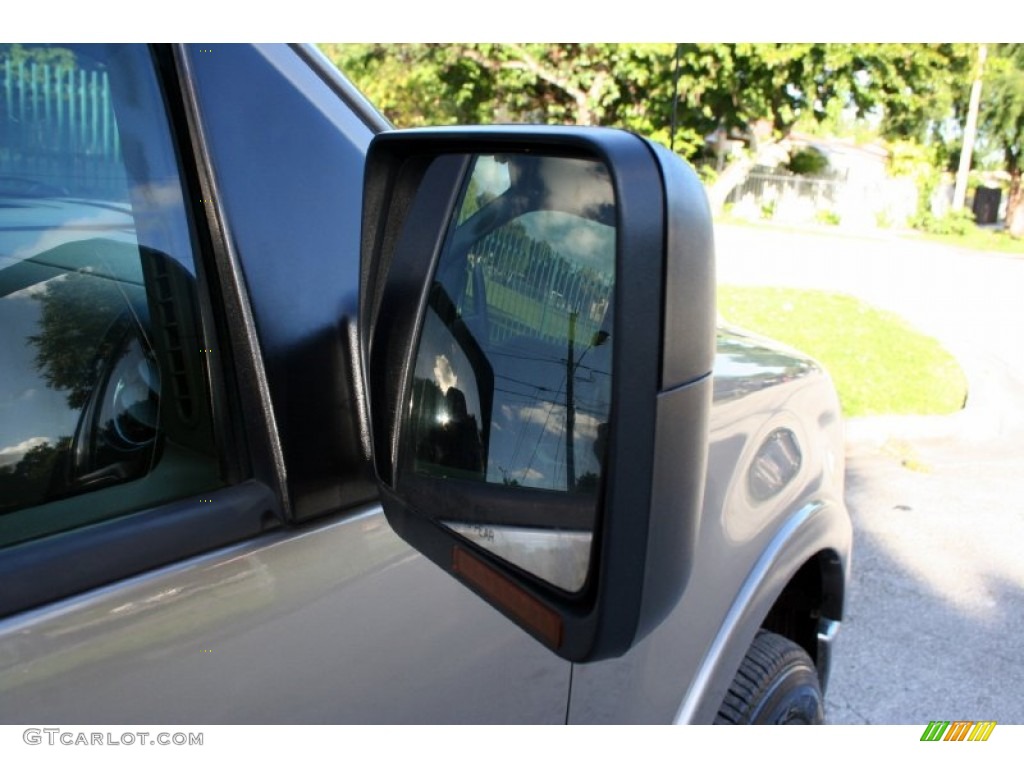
(959, 730)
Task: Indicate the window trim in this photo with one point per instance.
(62, 565)
(257, 419)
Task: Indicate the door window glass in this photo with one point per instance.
(104, 407)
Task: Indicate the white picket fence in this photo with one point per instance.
(800, 199)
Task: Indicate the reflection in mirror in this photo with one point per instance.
(512, 378)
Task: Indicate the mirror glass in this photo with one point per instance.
(511, 388)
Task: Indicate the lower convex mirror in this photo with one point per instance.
(502, 393)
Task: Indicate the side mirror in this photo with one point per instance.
(537, 323)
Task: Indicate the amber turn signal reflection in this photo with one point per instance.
(543, 622)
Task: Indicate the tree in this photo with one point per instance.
(722, 85)
(32, 479)
(917, 87)
(1003, 121)
(77, 313)
(571, 83)
(416, 84)
(17, 55)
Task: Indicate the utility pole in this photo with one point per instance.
(675, 100)
(970, 131)
(570, 408)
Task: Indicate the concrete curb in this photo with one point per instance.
(876, 430)
(972, 425)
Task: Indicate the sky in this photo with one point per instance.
(524, 20)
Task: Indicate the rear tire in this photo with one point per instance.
(777, 684)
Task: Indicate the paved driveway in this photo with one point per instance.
(935, 616)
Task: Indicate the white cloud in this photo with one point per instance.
(552, 418)
(14, 453)
(586, 242)
(98, 222)
(444, 374)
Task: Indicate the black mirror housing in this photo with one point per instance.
(654, 441)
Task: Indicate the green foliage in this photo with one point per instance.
(599, 84)
(957, 223)
(415, 84)
(708, 175)
(1003, 121)
(751, 90)
(927, 181)
(910, 158)
(77, 312)
(808, 162)
(918, 86)
(26, 55)
(1003, 108)
(981, 239)
(28, 482)
(829, 217)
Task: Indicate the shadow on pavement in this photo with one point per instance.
(935, 610)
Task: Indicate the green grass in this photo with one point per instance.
(880, 364)
(978, 239)
(541, 319)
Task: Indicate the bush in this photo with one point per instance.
(957, 223)
(828, 217)
(708, 173)
(808, 162)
